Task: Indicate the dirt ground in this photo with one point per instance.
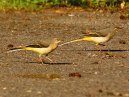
(79, 69)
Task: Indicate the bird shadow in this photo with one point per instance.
(48, 63)
(109, 50)
(102, 50)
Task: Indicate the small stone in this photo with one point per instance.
(122, 42)
(96, 73)
(29, 91)
(39, 92)
(100, 90)
(95, 62)
(75, 74)
(10, 46)
(4, 88)
(123, 17)
(126, 95)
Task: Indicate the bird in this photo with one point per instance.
(40, 49)
(122, 5)
(96, 39)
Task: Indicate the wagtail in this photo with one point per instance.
(40, 49)
(122, 5)
(96, 39)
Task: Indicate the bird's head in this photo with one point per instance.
(56, 41)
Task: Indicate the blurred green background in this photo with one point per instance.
(41, 4)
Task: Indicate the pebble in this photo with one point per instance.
(39, 92)
(4, 88)
(29, 91)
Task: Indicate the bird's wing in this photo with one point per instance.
(37, 46)
(93, 35)
(96, 35)
(14, 49)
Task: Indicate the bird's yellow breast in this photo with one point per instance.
(38, 50)
(32, 49)
(28, 48)
(88, 39)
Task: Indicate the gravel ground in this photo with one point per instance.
(79, 69)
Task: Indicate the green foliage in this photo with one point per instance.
(40, 4)
(82, 3)
(16, 4)
(95, 2)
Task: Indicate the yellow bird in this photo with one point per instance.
(122, 5)
(96, 39)
(40, 49)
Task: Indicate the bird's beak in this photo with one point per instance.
(58, 41)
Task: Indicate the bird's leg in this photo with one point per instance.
(98, 47)
(40, 57)
(44, 56)
(49, 59)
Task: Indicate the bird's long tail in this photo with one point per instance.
(14, 49)
(71, 42)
